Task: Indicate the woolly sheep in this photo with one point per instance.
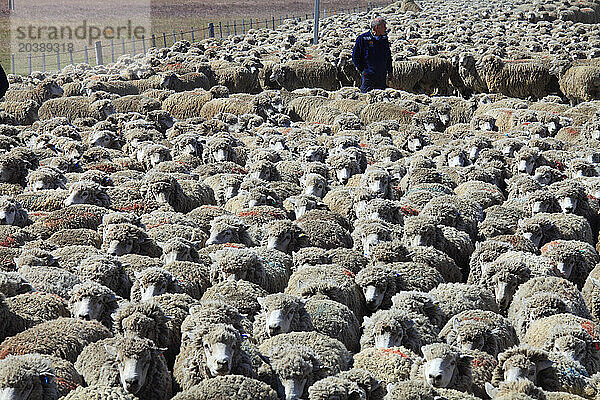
(280, 313)
(28, 376)
(92, 301)
(76, 107)
(235, 387)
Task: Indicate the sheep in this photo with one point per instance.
(567, 333)
(280, 313)
(297, 74)
(74, 217)
(242, 295)
(76, 107)
(154, 281)
(45, 90)
(92, 301)
(74, 335)
(480, 330)
(165, 189)
(387, 365)
(28, 376)
(12, 213)
(287, 236)
(120, 239)
(579, 83)
(45, 178)
(216, 351)
(130, 362)
(236, 387)
(378, 284)
(469, 297)
(19, 112)
(543, 228)
(574, 259)
(229, 229)
(100, 393)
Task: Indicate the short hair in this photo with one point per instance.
(377, 21)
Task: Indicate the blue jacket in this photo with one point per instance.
(371, 56)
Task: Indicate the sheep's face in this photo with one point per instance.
(178, 254)
(542, 177)
(88, 308)
(161, 192)
(378, 183)
(414, 144)
(119, 248)
(16, 393)
(314, 154)
(279, 242)
(369, 241)
(467, 335)
(263, 172)
(440, 372)
(573, 347)
(343, 175)
(80, 195)
(148, 290)
(221, 154)
(314, 186)
(595, 134)
(374, 295)
(519, 367)
(565, 266)
(133, 370)
(278, 321)
(504, 288)
(55, 90)
(534, 233)
(219, 357)
(8, 214)
(540, 206)
(457, 160)
(294, 387)
(158, 156)
(220, 235)
(230, 191)
(102, 139)
(302, 206)
(567, 204)
(525, 165)
(385, 337)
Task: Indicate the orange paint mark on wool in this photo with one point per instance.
(349, 273)
(394, 351)
(9, 242)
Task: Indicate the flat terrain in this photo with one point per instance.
(154, 16)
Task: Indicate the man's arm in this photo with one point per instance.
(358, 55)
(3, 82)
(390, 70)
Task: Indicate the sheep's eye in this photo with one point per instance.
(453, 363)
(319, 185)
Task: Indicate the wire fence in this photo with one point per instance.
(108, 52)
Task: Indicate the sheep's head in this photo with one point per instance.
(155, 281)
(45, 178)
(538, 306)
(102, 108)
(504, 285)
(420, 231)
(541, 201)
(472, 335)
(525, 160)
(532, 230)
(226, 229)
(28, 376)
(370, 234)
(103, 138)
(120, 239)
(133, 356)
(296, 368)
(178, 249)
(522, 363)
(567, 257)
(314, 153)
(282, 235)
(280, 310)
(304, 203)
(220, 345)
(51, 88)
(87, 192)
(378, 181)
(91, 301)
(146, 320)
(314, 185)
(187, 144)
(375, 282)
(9, 210)
(160, 187)
(389, 329)
(262, 169)
(235, 264)
(444, 364)
(219, 150)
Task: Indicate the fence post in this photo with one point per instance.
(13, 62)
(58, 60)
(87, 60)
(164, 39)
(221, 29)
(193, 39)
(144, 44)
(266, 24)
(250, 23)
(281, 20)
(243, 26)
(153, 40)
(211, 30)
(181, 32)
(316, 24)
(174, 37)
(29, 62)
(234, 27)
(99, 58)
(71, 57)
(227, 27)
(43, 62)
(273, 21)
(122, 45)
(133, 45)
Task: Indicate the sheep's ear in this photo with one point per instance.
(366, 320)
(595, 282)
(423, 349)
(477, 245)
(136, 274)
(455, 324)
(261, 301)
(466, 359)
(111, 350)
(390, 387)
(491, 390)
(521, 223)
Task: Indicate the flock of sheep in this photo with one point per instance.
(233, 219)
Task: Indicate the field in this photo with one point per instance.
(28, 29)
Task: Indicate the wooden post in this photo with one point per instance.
(211, 30)
(29, 62)
(250, 23)
(12, 56)
(180, 31)
(144, 44)
(164, 39)
(11, 5)
(71, 56)
(153, 40)
(87, 60)
(221, 29)
(243, 26)
(133, 45)
(273, 22)
(122, 45)
(58, 60)
(174, 37)
(316, 24)
(112, 50)
(193, 39)
(227, 26)
(43, 62)
(234, 27)
(99, 58)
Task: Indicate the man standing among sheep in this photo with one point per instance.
(372, 56)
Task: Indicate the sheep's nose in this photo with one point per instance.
(132, 384)
(85, 317)
(274, 330)
(435, 378)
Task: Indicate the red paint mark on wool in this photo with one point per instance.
(349, 273)
(9, 242)
(62, 382)
(394, 351)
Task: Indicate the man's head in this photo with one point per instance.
(378, 26)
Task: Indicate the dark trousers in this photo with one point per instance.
(371, 81)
